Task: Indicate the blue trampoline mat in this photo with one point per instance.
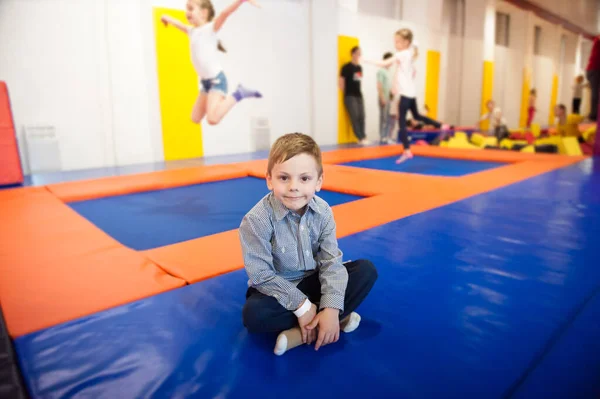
(427, 165)
(156, 218)
(478, 299)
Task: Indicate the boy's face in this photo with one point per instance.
(295, 181)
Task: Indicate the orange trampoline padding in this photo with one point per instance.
(392, 196)
(492, 179)
(10, 161)
(121, 185)
(56, 266)
(199, 259)
(357, 154)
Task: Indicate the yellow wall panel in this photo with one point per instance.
(553, 99)
(177, 88)
(525, 96)
(487, 90)
(432, 83)
(345, 132)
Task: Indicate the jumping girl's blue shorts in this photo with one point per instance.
(218, 83)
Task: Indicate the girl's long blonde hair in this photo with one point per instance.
(208, 5)
(407, 34)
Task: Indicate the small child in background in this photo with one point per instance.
(531, 110)
(384, 91)
(395, 100)
(494, 117)
(297, 283)
(578, 87)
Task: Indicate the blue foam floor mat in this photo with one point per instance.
(426, 166)
(482, 298)
(156, 218)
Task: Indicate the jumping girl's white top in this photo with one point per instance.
(203, 46)
(406, 72)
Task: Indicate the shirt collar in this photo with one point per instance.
(281, 211)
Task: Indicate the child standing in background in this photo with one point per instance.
(213, 100)
(531, 110)
(494, 117)
(578, 87)
(384, 92)
(405, 85)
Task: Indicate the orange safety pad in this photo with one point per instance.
(10, 161)
(360, 153)
(256, 168)
(392, 196)
(121, 185)
(492, 179)
(56, 266)
(357, 154)
(202, 258)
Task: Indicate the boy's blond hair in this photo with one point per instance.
(292, 144)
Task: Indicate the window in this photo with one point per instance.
(391, 9)
(537, 40)
(502, 29)
(454, 16)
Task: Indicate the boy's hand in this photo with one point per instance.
(329, 327)
(308, 336)
(165, 20)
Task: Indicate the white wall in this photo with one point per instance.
(324, 71)
(544, 68)
(57, 74)
(508, 70)
(583, 13)
(567, 70)
(274, 59)
(89, 68)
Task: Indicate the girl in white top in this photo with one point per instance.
(213, 100)
(494, 117)
(406, 87)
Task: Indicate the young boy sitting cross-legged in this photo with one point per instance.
(298, 285)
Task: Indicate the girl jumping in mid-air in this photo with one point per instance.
(213, 100)
(405, 85)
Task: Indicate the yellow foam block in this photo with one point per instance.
(460, 136)
(460, 143)
(529, 148)
(536, 130)
(589, 134)
(478, 139)
(571, 146)
(491, 141)
(553, 140)
(506, 143)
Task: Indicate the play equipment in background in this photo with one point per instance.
(11, 172)
(534, 140)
